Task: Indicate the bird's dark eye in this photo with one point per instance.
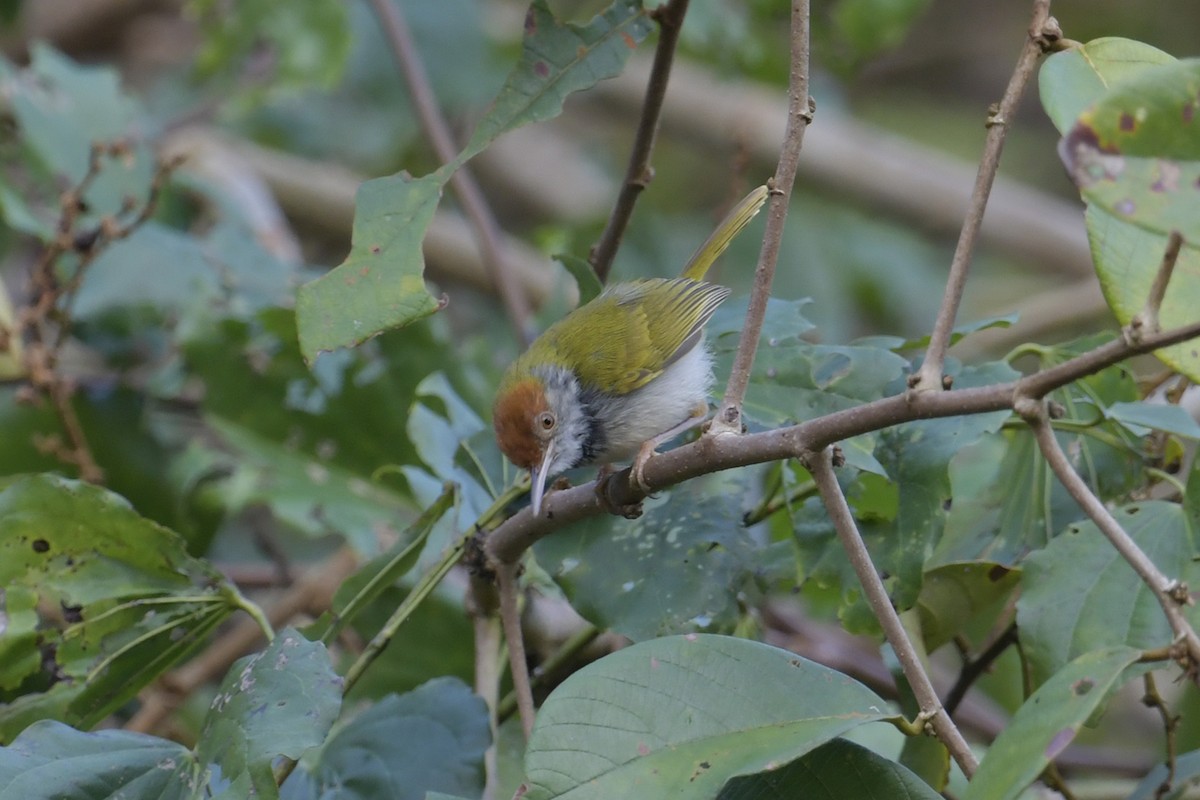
(546, 421)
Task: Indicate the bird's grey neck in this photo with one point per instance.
(577, 408)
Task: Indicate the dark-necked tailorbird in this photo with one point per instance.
(618, 375)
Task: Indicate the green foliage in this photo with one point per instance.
(1132, 175)
(678, 711)
(226, 412)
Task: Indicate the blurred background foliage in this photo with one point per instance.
(193, 394)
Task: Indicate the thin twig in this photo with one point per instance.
(1152, 699)
(1147, 318)
(821, 466)
(480, 602)
(728, 419)
(639, 173)
(510, 619)
(1042, 32)
(708, 455)
(1171, 594)
(973, 668)
(437, 131)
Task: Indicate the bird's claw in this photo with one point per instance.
(637, 470)
(627, 510)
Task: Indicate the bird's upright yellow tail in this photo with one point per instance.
(697, 266)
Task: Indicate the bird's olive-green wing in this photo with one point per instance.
(628, 335)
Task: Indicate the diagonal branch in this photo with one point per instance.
(1172, 595)
(712, 454)
(1043, 33)
(639, 173)
(728, 419)
(821, 466)
(437, 131)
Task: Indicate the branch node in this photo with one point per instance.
(1178, 591)
(1050, 36)
(1030, 409)
(994, 117)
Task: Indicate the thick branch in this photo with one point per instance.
(639, 173)
(821, 466)
(713, 454)
(728, 419)
(436, 130)
(1042, 30)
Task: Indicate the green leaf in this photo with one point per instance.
(558, 59)
(380, 285)
(584, 274)
(1158, 416)
(1047, 723)
(1184, 778)
(61, 108)
(1079, 595)
(837, 770)
(310, 497)
(1072, 80)
(50, 759)
(952, 594)
(308, 42)
(372, 579)
(685, 565)
(679, 711)
(280, 702)
(1134, 154)
(431, 739)
(118, 601)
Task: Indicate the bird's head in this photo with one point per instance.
(542, 425)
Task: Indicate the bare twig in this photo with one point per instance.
(480, 602)
(973, 668)
(1042, 31)
(728, 419)
(1152, 699)
(510, 619)
(639, 173)
(821, 466)
(1147, 318)
(713, 454)
(1171, 594)
(437, 131)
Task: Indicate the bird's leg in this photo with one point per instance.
(603, 475)
(698, 416)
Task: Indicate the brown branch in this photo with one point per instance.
(973, 668)
(1152, 699)
(712, 454)
(820, 464)
(437, 132)
(1147, 318)
(639, 173)
(1043, 31)
(1171, 594)
(510, 619)
(728, 419)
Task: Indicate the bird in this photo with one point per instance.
(619, 375)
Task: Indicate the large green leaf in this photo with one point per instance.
(1184, 774)
(104, 601)
(953, 594)
(50, 759)
(558, 59)
(1076, 85)
(380, 285)
(280, 702)
(686, 564)
(1135, 153)
(837, 770)
(431, 739)
(680, 711)
(1080, 595)
(1048, 722)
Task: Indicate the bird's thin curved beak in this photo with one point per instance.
(537, 480)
